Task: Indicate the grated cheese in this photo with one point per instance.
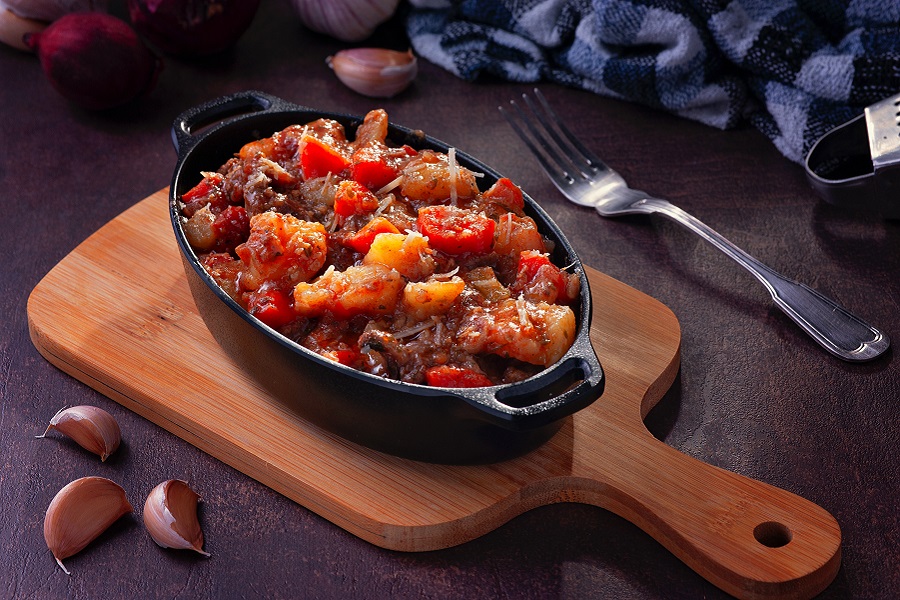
(439, 333)
(524, 321)
(390, 185)
(454, 173)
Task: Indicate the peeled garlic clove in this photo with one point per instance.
(90, 427)
(80, 512)
(170, 515)
(374, 72)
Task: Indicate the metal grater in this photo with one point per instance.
(857, 165)
(883, 125)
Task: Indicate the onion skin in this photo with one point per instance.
(95, 60)
(192, 27)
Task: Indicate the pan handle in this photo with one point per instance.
(526, 405)
(221, 109)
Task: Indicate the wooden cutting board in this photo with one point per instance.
(117, 314)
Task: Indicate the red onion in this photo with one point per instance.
(192, 27)
(95, 60)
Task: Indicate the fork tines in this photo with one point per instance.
(557, 150)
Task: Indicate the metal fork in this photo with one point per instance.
(586, 180)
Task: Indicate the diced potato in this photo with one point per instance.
(407, 253)
(432, 177)
(516, 234)
(281, 247)
(313, 299)
(359, 290)
(373, 128)
(428, 298)
(536, 333)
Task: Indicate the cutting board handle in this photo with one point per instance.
(749, 538)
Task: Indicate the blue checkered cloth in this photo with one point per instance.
(793, 68)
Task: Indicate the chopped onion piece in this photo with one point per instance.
(385, 203)
(507, 231)
(276, 168)
(332, 227)
(446, 275)
(417, 329)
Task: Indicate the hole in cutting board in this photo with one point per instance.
(772, 534)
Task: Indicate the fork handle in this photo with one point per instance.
(835, 328)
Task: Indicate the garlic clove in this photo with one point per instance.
(80, 512)
(50, 10)
(347, 20)
(170, 516)
(14, 27)
(90, 427)
(374, 72)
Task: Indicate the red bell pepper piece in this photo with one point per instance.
(210, 191)
(345, 356)
(361, 241)
(265, 146)
(371, 168)
(318, 159)
(353, 198)
(271, 306)
(535, 266)
(507, 194)
(455, 377)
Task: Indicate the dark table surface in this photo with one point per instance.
(754, 395)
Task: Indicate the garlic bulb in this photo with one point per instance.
(170, 516)
(80, 512)
(347, 20)
(90, 427)
(374, 72)
(50, 10)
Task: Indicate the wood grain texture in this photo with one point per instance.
(117, 314)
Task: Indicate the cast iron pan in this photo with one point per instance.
(474, 425)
